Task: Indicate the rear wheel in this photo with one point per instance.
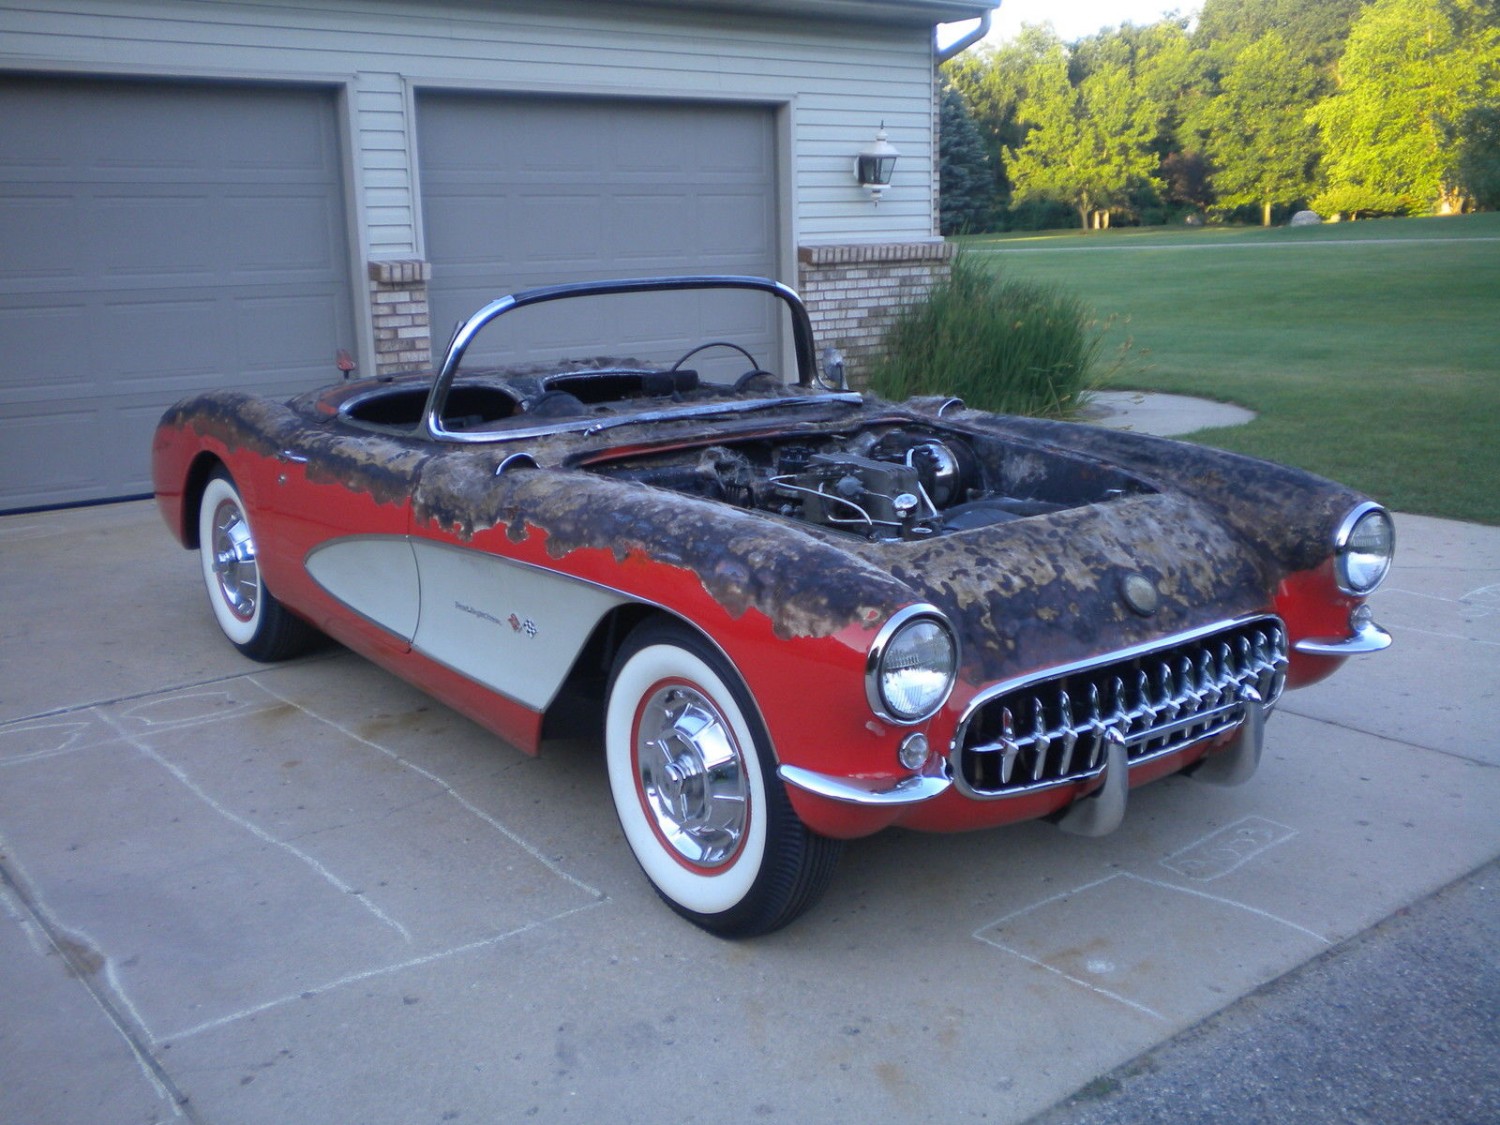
(695, 787)
(249, 615)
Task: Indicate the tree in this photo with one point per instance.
(1478, 164)
(1185, 179)
(1260, 143)
(1087, 145)
(1165, 71)
(966, 184)
(992, 82)
(1411, 72)
(1317, 27)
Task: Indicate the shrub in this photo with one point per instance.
(1015, 347)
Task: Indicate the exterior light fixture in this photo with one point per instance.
(874, 166)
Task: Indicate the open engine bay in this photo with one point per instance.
(883, 483)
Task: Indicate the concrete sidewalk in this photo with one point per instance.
(307, 893)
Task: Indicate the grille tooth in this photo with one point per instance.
(1041, 743)
(1170, 692)
(1156, 702)
(1208, 692)
(1120, 720)
(1070, 732)
(1097, 727)
(1009, 748)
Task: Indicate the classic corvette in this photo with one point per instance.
(797, 614)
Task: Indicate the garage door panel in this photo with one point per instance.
(270, 334)
(160, 239)
(730, 224)
(539, 229)
(41, 234)
(159, 341)
(281, 233)
(163, 238)
(40, 431)
(651, 226)
(523, 191)
(43, 431)
(44, 350)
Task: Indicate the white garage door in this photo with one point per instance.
(159, 239)
(520, 191)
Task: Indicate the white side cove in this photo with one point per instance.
(376, 576)
(512, 627)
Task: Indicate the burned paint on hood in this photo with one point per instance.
(1287, 515)
(382, 467)
(1049, 590)
(1212, 532)
(804, 585)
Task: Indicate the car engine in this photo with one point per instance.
(889, 484)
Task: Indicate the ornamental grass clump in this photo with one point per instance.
(1014, 347)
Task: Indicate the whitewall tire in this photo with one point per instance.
(695, 787)
(248, 614)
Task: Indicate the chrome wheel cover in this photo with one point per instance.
(233, 560)
(691, 776)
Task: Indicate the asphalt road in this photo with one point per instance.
(1399, 1024)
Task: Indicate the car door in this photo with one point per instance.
(340, 512)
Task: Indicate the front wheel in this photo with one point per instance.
(249, 615)
(695, 787)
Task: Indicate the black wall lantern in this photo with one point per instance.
(874, 166)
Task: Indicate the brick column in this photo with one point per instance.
(399, 311)
(854, 292)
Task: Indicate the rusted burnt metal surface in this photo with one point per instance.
(805, 585)
(1286, 514)
(1214, 532)
(382, 467)
(1049, 590)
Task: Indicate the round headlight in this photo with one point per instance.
(1363, 549)
(912, 664)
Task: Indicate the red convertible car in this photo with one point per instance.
(797, 615)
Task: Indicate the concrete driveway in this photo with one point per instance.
(237, 893)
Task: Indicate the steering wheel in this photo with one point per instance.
(716, 344)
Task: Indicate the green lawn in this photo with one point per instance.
(1371, 351)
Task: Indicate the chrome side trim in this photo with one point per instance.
(590, 426)
(1369, 638)
(855, 791)
(709, 409)
(516, 461)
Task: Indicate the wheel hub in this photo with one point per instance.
(691, 776)
(234, 562)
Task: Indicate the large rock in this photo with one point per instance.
(1305, 219)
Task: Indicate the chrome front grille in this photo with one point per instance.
(1053, 729)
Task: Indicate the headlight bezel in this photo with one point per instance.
(886, 642)
(1345, 546)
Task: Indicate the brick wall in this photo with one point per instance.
(398, 307)
(854, 293)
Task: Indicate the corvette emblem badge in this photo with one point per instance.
(1140, 594)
